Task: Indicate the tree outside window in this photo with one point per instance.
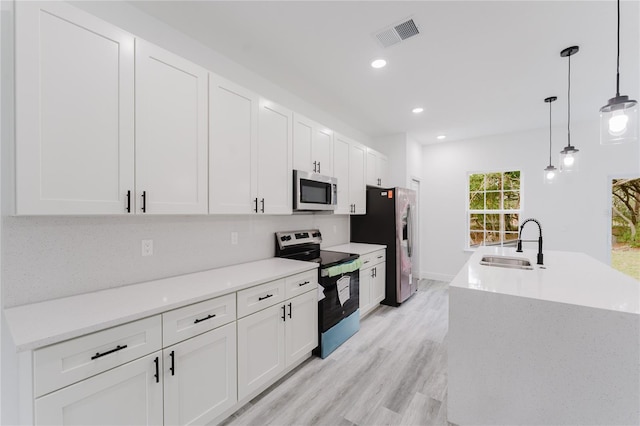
(494, 206)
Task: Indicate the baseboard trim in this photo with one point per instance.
(436, 276)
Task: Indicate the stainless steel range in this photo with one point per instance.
(338, 274)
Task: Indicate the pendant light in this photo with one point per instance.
(550, 172)
(619, 117)
(569, 155)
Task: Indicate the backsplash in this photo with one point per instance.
(51, 257)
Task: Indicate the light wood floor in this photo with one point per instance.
(392, 372)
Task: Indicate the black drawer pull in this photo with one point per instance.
(262, 206)
(265, 297)
(289, 310)
(157, 375)
(380, 257)
(129, 201)
(366, 261)
(204, 319)
(304, 283)
(116, 349)
(173, 363)
(284, 313)
(144, 201)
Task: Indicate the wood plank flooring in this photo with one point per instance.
(392, 372)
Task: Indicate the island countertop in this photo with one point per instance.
(566, 277)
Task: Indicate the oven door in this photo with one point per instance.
(312, 191)
(330, 310)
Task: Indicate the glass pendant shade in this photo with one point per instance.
(550, 175)
(569, 159)
(619, 121)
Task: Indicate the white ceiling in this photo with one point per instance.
(477, 68)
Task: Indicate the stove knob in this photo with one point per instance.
(283, 238)
(288, 237)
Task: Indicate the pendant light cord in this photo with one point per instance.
(618, 56)
(569, 106)
(550, 132)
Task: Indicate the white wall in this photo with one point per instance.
(574, 212)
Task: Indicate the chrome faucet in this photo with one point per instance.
(520, 240)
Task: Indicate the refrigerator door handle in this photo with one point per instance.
(409, 230)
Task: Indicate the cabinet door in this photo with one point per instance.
(74, 112)
(357, 185)
(301, 326)
(275, 156)
(365, 290)
(260, 349)
(200, 377)
(171, 132)
(372, 168)
(341, 172)
(303, 134)
(127, 395)
(383, 170)
(322, 150)
(233, 127)
(378, 284)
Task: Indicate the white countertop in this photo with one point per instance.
(567, 277)
(40, 324)
(356, 248)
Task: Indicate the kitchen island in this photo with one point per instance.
(557, 344)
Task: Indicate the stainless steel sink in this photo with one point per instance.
(506, 262)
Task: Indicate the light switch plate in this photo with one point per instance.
(147, 247)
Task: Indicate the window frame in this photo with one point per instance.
(502, 211)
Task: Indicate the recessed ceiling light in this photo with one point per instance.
(378, 63)
(440, 137)
(417, 110)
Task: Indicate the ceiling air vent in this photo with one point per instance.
(397, 32)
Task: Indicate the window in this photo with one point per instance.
(493, 210)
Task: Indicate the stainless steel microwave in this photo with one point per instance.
(312, 191)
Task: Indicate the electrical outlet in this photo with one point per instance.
(234, 238)
(147, 247)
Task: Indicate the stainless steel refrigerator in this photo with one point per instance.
(390, 220)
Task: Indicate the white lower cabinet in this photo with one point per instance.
(200, 377)
(271, 340)
(127, 395)
(372, 281)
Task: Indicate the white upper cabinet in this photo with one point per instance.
(349, 169)
(377, 169)
(171, 133)
(74, 112)
(341, 147)
(275, 156)
(357, 184)
(233, 138)
(312, 146)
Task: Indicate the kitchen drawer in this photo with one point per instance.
(259, 297)
(371, 259)
(73, 360)
(183, 323)
(300, 283)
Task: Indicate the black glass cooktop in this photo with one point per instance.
(331, 258)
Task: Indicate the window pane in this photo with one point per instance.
(494, 181)
(511, 221)
(476, 201)
(476, 222)
(493, 200)
(492, 238)
(510, 236)
(511, 200)
(476, 182)
(511, 180)
(493, 222)
(476, 239)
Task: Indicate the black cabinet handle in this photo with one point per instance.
(380, 257)
(262, 205)
(314, 166)
(129, 201)
(304, 283)
(116, 349)
(144, 201)
(284, 311)
(265, 297)
(157, 375)
(365, 262)
(255, 208)
(204, 319)
(289, 309)
(173, 363)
